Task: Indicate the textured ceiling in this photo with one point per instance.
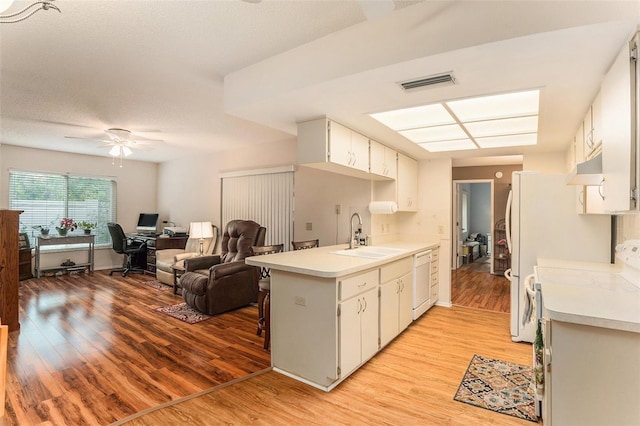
(212, 75)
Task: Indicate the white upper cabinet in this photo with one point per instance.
(382, 160)
(596, 127)
(407, 184)
(619, 136)
(327, 145)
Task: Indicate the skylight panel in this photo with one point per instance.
(496, 106)
(509, 140)
(456, 145)
(434, 134)
(410, 118)
(505, 126)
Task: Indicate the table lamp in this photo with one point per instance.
(201, 230)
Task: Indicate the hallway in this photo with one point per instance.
(473, 286)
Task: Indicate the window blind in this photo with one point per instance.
(264, 196)
(46, 198)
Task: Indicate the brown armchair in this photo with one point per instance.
(220, 283)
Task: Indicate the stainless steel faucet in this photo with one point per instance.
(359, 230)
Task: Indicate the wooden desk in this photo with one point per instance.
(89, 240)
(157, 243)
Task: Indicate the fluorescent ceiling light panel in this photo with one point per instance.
(509, 140)
(410, 118)
(457, 145)
(434, 134)
(505, 126)
(496, 106)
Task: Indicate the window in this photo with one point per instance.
(46, 198)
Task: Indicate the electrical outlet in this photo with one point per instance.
(300, 300)
(309, 226)
(440, 229)
(338, 209)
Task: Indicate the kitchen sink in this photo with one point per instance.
(370, 252)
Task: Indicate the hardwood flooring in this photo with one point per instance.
(91, 350)
(410, 382)
(473, 286)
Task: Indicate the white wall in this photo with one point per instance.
(548, 162)
(137, 188)
(189, 188)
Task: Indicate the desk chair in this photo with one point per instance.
(264, 302)
(127, 246)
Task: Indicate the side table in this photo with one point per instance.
(177, 273)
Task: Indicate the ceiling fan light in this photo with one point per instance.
(115, 151)
(126, 151)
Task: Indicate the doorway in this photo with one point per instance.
(473, 283)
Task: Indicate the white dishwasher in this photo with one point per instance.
(421, 283)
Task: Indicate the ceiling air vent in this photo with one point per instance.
(431, 81)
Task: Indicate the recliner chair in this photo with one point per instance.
(220, 283)
(127, 246)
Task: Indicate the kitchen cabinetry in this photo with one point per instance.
(574, 385)
(382, 160)
(619, 137)
(9, 249)
(395, 299)
(435, 273)
(358, 330)
(328, 145)
(407, 184)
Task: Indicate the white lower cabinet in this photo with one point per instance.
(323, 329)
(395, 299)
(358, 328)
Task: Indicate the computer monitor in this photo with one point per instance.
(147, 223)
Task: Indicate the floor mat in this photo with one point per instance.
(184, 312)
(500, 386)
(158, 285)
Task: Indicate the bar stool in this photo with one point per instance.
(303, 245)
(264, 285)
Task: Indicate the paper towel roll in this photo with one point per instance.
(383, 207)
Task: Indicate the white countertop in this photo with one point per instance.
(320, 262)
(593, 294)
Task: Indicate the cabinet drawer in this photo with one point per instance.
(435, 267)
(434, 294)
(435, 255)
(434, 279)
(356, 284)
(395, 269)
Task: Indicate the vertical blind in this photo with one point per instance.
(265, 197)
(46, 198)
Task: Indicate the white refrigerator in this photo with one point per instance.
(542, 221)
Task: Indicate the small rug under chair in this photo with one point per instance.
(184, 312)
(158, 285)
(500, 386)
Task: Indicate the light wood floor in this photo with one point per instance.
(91, 351)
(411, 382)
(473, 286)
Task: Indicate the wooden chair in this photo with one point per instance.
(264, 312)
(303, 245)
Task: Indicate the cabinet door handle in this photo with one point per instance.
(601, 189)
(365, 304)
(359, 305)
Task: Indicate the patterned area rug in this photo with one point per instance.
(184, 312)
(158, 285)
(500, 386)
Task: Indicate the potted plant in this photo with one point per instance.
(44, 229)
(86, 226)
(66, 224)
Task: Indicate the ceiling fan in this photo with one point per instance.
(121, 143)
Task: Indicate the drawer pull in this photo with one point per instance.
(363, 284)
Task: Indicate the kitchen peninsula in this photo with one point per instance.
(330, 307)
